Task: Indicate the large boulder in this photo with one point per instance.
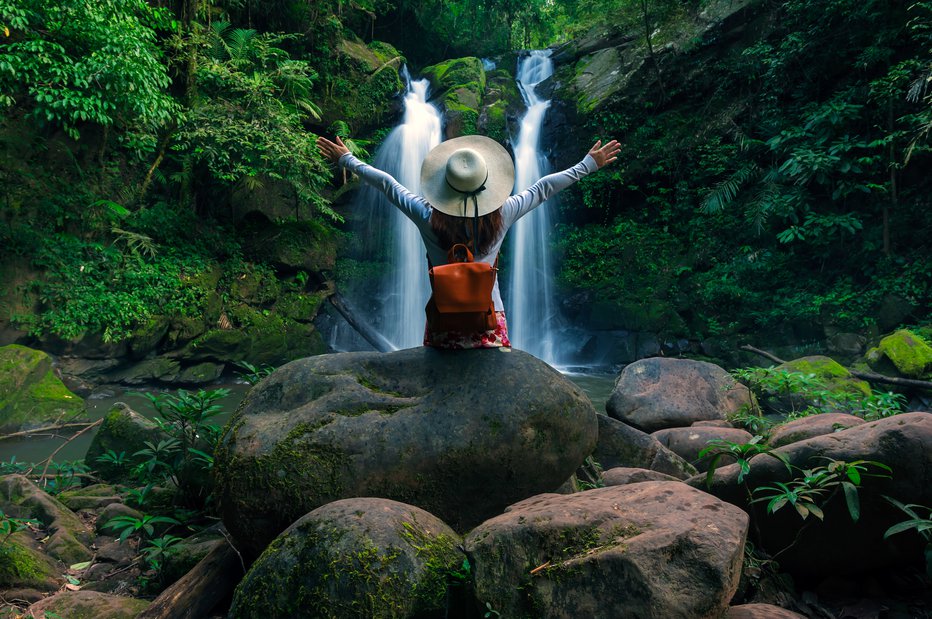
(908, 353)
(813, 425)
(817, 549)
(460, 84)
(623, 475)
(654, 549)
(366, 558)
(30, 393)
(461, 434)
(68, 536)
(88, 605)
(688, 443)
(621, 445)
(123, 431)
(657, 393)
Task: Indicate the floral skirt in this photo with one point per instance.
(493, 338)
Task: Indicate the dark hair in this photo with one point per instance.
(451, 230)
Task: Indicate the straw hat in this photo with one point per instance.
(471, 165)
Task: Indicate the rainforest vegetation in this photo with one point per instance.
(775, 184)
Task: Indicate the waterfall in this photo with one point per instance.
(531, 309)
(396, 307)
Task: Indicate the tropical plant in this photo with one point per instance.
(742, 453)
(810, 490)
(144, 526)
(10, 525)
(252, 374)
(918, 523)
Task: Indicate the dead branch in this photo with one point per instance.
(61, 426)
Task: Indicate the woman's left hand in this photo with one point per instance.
(332, 150)
(604, 155)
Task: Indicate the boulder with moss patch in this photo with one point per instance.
(459, 84)
(88, 605)
(68, 536)
(22, 564)
(909, 354)
(30, 393)
(652, 549)
(461, 434)
(362, 557)
(123, 431)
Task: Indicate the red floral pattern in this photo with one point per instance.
(495, 338)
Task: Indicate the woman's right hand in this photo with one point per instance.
(332, 150)
(604, 155)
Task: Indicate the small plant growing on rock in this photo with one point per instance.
(810, 491)
(921, 524)
(130, 525)
(742, 454)
(10, 525)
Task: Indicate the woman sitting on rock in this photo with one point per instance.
(463, 179)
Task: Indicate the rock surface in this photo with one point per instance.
(655, 549)
(30, 393)
(687, 443)
(361, 557)
(461, 434)
(620, 476)
(657, 393)
(122, 431)
(902, 442)
(909, 354)
(88, 605)
(760, 611)
(813, 425)
(621, 445)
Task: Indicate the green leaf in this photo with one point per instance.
(80, 566)
(851, 498)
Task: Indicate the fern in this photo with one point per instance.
(726, 191)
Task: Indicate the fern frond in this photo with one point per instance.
(726, 191)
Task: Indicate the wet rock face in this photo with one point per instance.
(30, 393)
(462, 434)
(812, 426)
(620, 445)
(653, 549)
(689, 442)
(353, 558)
(657, 393)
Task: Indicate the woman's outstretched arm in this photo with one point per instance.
(413, 206)
(524, 202)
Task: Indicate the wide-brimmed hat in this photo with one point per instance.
(471, 165)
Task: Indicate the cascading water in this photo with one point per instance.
(531, 310)
(396, 309)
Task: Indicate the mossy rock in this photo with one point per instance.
(300, 306)
(290, 246)
(368, 558)
(460, 84)
(124, 431)
(147, 336)
(834, 376)
(67, 534)
(183, 329)
(910, 354)
(364, 91)
(89, 605)
(93, 497)
(162, 369)
(255, 287)
(21, 565)
(30, 393)
(203, 373)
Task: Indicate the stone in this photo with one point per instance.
(813, 425)
(31, 395)
(22, 564)
(122, 431)
(68, 536)
(460, 84)
(461, 434)
(687, 443)
(621, 445)
(146, 338)
(622, 475)
(846, 345)
(653, 549)
(760, 611)
(88, 605)
(657, 393)
(201, 374)
(362, 557)
(161, 369)
(93, 497)
(112, 511)
(909, 354)
(824, 548)
(832, 374)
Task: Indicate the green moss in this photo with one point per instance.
(909, 353)
(832, 373)
(21, 567)
(301, 307)
(30, 393)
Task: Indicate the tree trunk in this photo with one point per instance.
(650, 50)
(196, 593)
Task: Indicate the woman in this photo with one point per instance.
(466, 184)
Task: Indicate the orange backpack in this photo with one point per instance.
(462, 293)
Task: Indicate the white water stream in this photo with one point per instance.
(529, 301)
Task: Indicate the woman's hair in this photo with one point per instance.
(451, 230)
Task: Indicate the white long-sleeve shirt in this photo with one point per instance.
(418, 210)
